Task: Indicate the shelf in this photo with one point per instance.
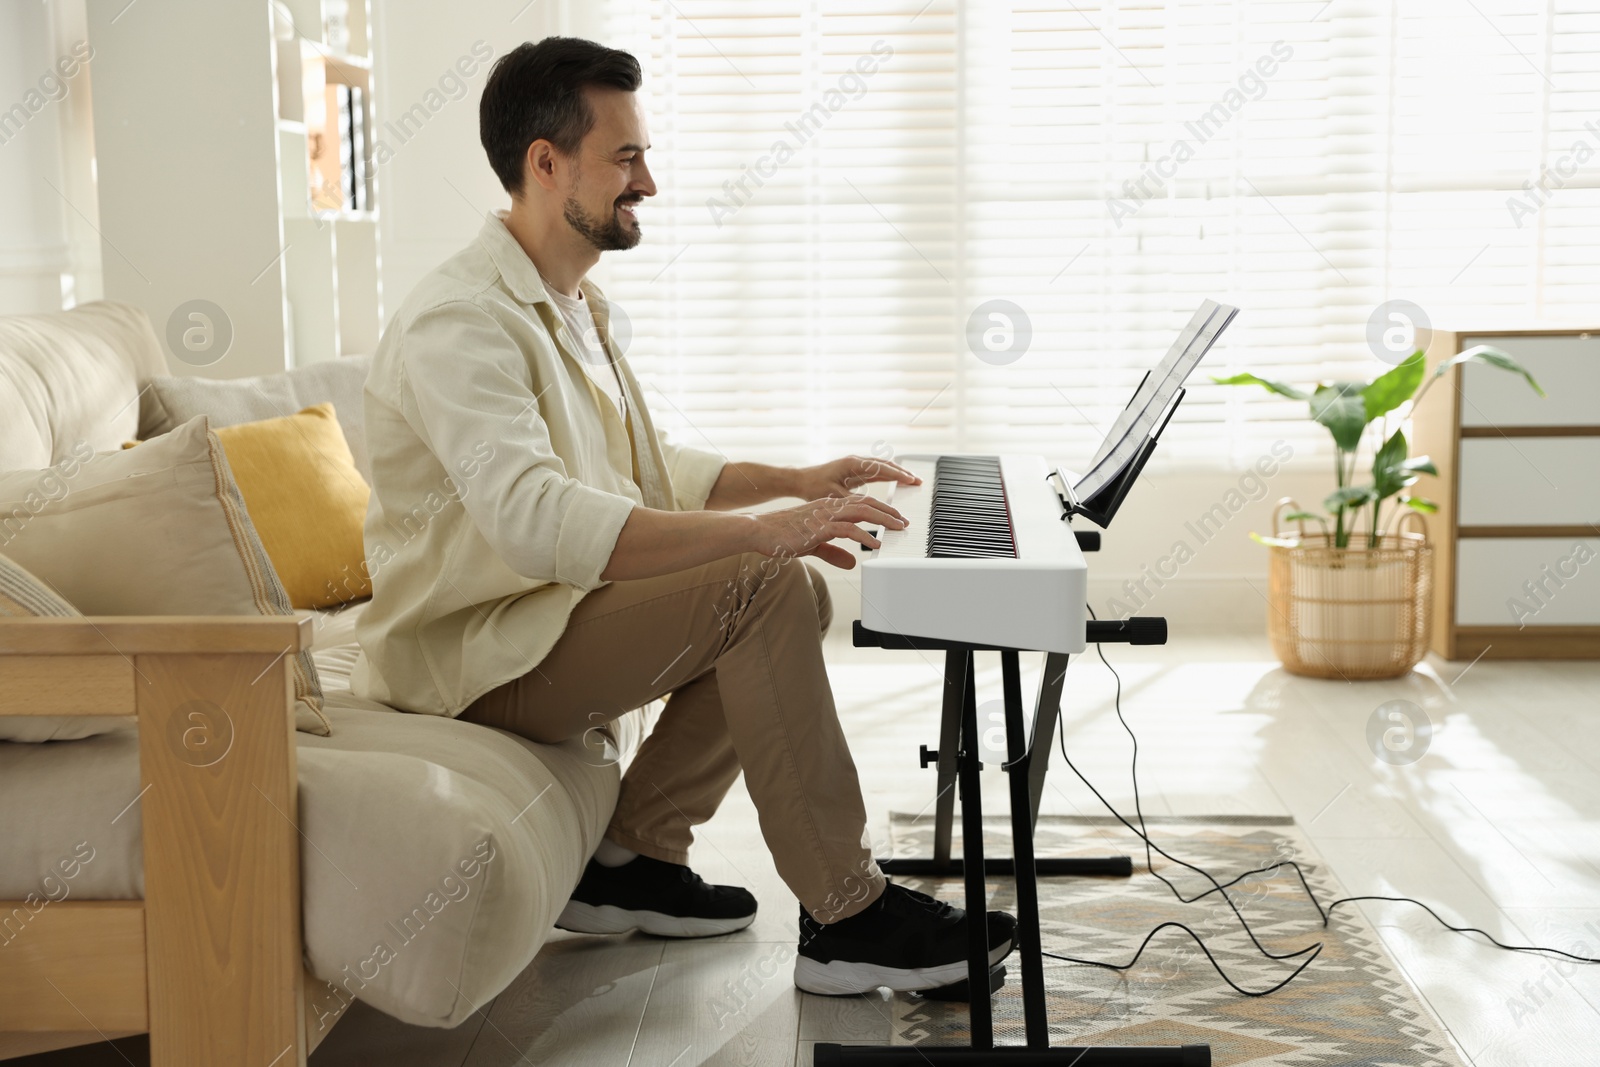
(1586, 430)
(338, 68)
(346, 59)
(1575, 530)
(347, 216)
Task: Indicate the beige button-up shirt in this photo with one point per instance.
(501, 479)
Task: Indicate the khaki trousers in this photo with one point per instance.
(736, 648)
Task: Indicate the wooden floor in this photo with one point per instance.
(1498, 826)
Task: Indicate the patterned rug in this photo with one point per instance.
(1351, 1007)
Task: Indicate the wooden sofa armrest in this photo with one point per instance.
(219, 944)
(130, 634)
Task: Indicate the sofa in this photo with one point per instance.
(429, 856)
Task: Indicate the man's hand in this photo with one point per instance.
(845, 477)
(806, 530)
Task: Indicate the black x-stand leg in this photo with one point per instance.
(1047, 709)
(960, 697)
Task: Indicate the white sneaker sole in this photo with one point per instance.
(840, 978)
(583, 918)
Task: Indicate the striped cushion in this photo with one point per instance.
(24, 596)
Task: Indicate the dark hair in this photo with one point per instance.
(535, 92)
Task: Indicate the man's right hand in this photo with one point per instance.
(807, 529)
(658, 542)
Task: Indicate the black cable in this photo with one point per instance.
(1456, 929)
(1142, 832)
(1198, 940)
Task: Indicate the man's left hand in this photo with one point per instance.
(845, 477)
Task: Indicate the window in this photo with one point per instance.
(842, 185)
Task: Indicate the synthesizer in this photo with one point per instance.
(985, 557)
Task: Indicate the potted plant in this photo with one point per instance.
(1353, 601)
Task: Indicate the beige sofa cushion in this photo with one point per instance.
(168, 402)
(23, 596)
(69, 381)
(154, 530)
(390, 806)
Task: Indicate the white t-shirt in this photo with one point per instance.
(592, 354)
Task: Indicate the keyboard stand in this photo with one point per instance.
(958, 747)
(1047, 710)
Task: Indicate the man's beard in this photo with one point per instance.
(608, 235)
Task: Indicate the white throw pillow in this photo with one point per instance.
(166, 403)
(155, 530)
(23, 596)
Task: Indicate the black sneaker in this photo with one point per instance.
(664, 899)
(905, 940)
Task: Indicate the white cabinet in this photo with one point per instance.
(1517, 535)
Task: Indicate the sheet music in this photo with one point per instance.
(1144, 412)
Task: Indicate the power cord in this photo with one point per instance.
(1150, 847)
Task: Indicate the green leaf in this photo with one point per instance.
(1276, 387)
(1389, 475)
(1420, 464)
(1301, 516)
(1389, 391)
(1275, 542)
(1349, 497)
(1418, 503)
(1492, 356)
(1393, 453)
(1395, 485)
(1392, 471)
(1340, 408)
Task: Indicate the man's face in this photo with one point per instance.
(609, 175)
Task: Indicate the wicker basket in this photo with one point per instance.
(1355, 612)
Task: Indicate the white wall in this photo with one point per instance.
(435, 188)
(1189, 570)
(49, 251)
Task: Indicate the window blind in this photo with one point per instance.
(843, 185)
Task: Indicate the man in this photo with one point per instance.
(593, 566)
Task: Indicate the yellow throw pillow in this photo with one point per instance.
(307, 501)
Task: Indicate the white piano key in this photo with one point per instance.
(913, 502)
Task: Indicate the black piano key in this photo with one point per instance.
(968, 516)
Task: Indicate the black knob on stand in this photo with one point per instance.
(1136, 631)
